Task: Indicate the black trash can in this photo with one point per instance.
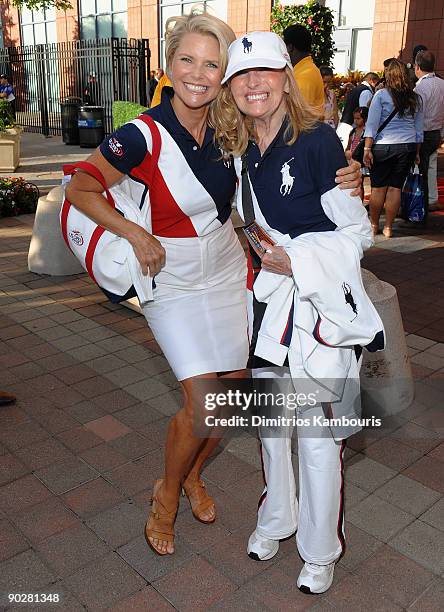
(70, 129)
(91, 122)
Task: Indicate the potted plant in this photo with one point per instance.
(9, 139)
(17, 196)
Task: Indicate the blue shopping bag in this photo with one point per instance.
(412, 197)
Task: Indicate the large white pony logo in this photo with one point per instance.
(287, 179)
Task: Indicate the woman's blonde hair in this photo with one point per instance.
(233, 129)
(197, 22)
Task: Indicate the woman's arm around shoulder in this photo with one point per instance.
(340, 206)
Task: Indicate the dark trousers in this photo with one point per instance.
(431, 142)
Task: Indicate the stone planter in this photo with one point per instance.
(10, 149)
(48, 253)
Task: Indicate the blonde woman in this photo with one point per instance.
(291, 160)
(198, 315)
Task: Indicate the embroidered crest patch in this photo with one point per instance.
(76, 237)
(115, 146)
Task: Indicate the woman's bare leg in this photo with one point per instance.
(185, 452)
(392, 204)
(205, 453)
(376, 205)
(181, 449)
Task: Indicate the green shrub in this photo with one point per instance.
(316, 18)
(6, 117)
(125, 111)
(17, 196)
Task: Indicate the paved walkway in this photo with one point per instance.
(80, 451)
(81, 448)
(42, 159)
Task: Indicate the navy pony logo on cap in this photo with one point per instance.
(248, 45)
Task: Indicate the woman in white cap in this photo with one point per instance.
(198, 316)
(289, 163)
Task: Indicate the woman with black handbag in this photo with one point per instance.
(393, 135)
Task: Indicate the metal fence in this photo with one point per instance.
(95, 71)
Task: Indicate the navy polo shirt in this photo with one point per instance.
(290, 180)
(126, 150)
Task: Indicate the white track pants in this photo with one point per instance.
(318, 518)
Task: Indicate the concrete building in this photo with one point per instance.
(367, 31)
(399, 25)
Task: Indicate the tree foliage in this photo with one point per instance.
(316, 18)
(38, 5)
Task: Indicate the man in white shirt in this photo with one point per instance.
(431, 89)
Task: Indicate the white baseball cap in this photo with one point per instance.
(256, 50)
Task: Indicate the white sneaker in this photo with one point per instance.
(260, 548)
(316, 578)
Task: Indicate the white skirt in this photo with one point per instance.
(199, 314)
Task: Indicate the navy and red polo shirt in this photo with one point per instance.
(192, 190)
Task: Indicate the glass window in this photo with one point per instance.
(38, 26)
(104, 6)
(39, 34)
(38, 15)
(25, 15)
(88, 28)
(51, 32)
(27, 35)
(87, 7)
(167, 12)
(171, 8)
(362, 49)
(104, 18)
(104, 29)
(355, 14)
(120, 25)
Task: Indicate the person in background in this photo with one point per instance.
(360, 95)
(432, 179)
(6, 89)
(347, 87)
(359, 119)
(431, 90)
(307, 75)
(391, 153)
(91, 93)
(152, 83)
(411, 65)
(7, 92)
(331, 114)
(381, 83)
(164, 81)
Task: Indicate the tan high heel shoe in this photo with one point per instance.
(375, 229)
(160, 523)
(387, 232)
(199, 500)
